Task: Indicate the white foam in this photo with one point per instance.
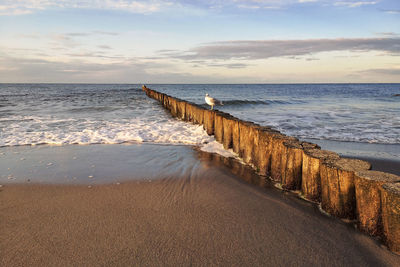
(215, 147)
(37, 131)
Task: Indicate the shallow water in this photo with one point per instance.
(107, 164)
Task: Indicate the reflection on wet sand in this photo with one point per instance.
(239, 169)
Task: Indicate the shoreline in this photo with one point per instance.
(199, 209)
(31, 161)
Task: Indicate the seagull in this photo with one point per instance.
(212, 101)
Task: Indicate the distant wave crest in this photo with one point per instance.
(237, 102)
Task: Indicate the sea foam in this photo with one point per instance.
(43, 130)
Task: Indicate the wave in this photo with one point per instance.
(243, 103)
(240, 103)
(92, 109)
(40, 130)
(13, 95)
(237, 102)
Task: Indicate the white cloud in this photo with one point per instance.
(264, 49)
(388, 34)
(262, 4)
(395, 71)
(20, 7)
(12, 7)
(17, 69)
(355, 4)
(307, 1)
(393, 11)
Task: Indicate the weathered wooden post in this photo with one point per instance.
(247, 132)
(219, 126)
(173, 106)
(311, 179)
(391, 215)
(198, 114)
(265, 137)
(292, 161)
(181, 109)
(209, 117)
(337, 184)
(278, 149)
(228, 121)
(236, 136)
(368, 186)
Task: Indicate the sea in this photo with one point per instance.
(349, 118)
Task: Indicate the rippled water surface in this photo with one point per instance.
(367, 113)
(87, 114)
(92, 113)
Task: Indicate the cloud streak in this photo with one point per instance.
(387, 71)
(391, 11)
(265, 49)
(17, 69)
(24, 7)
(355, 3)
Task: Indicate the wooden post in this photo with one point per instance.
(277, 151)
(337, 184)
(311, 179)
(391, 215)
(236, 136)
(189, 112)
(198, 114)
(173, 106)
(228, 122)
(247, 131)
(368, 185)
(219, 126)
(265, 137)
(292, 161)
(181, 109)
(209, 117)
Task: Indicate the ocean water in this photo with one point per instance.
(32, 114)
(368, 113)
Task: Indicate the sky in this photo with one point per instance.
(208, 41)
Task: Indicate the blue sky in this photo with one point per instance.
(211, 41)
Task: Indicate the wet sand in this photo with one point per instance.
(200, 211)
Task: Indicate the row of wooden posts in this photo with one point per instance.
(346, 188)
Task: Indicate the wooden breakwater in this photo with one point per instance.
(346, 188)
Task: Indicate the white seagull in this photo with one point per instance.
(212, 101)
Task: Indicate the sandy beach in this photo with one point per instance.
(203, 213)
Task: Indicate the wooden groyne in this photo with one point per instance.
(346, 188)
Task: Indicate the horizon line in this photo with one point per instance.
(200, 83)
